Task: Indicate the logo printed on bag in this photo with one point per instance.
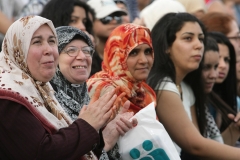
(148, 151)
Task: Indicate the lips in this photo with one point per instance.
(48, 62)
(221, 75)
(197, 56)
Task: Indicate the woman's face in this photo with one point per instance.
(43, 54)
(224, 61)
(78, 18)
(234, 36)
(140, 61)
(125, 18)
(209, 71)
(75, 69)
(187, 50)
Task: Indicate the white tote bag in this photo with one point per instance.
(148, 140)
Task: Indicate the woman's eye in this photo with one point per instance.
(188, 38)
(52, 41)
(148, 52)
(133, 53)
(36, 42)
(84, 21)
(201, 39)
(205, 67)
(73, 21)
(227, 60)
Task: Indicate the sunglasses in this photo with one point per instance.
(108, 19)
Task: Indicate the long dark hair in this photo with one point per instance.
(227, 89)
(59, 12)
(163, 36)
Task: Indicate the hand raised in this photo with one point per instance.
(119, 126)
(99, 111)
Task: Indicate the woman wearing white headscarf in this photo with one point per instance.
(32, 123)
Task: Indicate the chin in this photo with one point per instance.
(81, 80)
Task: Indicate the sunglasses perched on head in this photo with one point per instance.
(108, 19)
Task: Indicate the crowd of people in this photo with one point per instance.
(73, 73)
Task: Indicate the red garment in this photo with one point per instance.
(23, 136)
(120, 43)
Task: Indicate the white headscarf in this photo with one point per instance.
(16, 82)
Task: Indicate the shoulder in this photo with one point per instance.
(187, 93)
(167, 85)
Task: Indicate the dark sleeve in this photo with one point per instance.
(22, 136)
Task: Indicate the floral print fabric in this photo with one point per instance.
(16, 78)
(115, 72)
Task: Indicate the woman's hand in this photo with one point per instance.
(119, 126)
(236, 121)
(98, 112)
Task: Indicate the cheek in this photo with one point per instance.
(150, 60)
(32, 60)
(228, 66)
(204, 76)
(89, 61)
(56, 54)
(64, 62)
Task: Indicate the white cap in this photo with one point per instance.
(157, 9)
(104, 8)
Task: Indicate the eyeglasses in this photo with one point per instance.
(237, 38)
(73, 51)
(108, 19)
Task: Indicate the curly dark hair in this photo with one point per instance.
(59, 12)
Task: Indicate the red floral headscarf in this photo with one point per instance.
(115, 71)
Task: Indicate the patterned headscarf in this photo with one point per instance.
(72, 97)
(115, 71)
(16, 81)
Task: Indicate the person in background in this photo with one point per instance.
(210, 76)
(128, 58)
(197, 7)
(225, 85)
(154, 11)
(69, 13)
(123, 5)
(9, 11)
(108, 17)
(69, 82)
(29, 109)
(182, 37)
(33, 7)
(226, 24)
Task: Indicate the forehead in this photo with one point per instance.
(144, 45)
(234, 30)
(211, 57)
(79, 9)
(191, 27)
